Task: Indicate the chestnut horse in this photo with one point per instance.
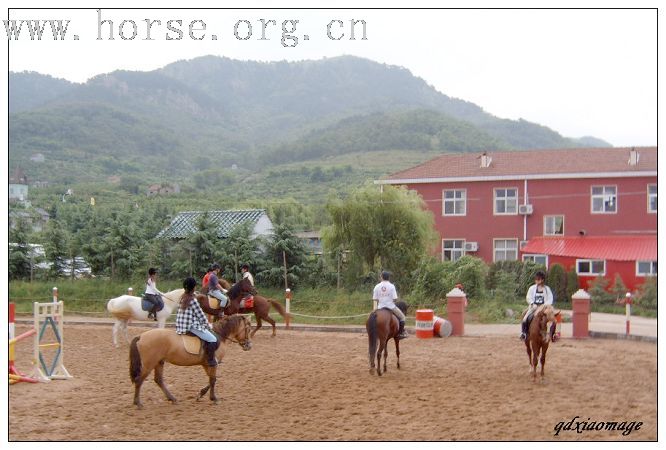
(260, 307)
(153, 348)
(381, 326)
(539, 337)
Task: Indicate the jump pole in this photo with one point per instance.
(49, 314)
(15, 375)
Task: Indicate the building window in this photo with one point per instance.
(455, 202)
(652, 198)
(604, 199)
(506, 201)
(539, 259)
(506, 249)
(646, 268)
(590, 267)
(553, 225)
(452, 249)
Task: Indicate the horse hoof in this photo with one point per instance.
(139, 406)
(216, 402)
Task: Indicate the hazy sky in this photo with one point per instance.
(580, 72)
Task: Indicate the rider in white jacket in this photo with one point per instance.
(538, 294)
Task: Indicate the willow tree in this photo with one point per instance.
(387, 228)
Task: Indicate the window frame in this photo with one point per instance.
(505, 239)
(644, 274)
(545, 228)
(590, 274)
(533, 255)
(592, 197)
(517, 198)
(454, 200)
(649, 196)
(462, 248)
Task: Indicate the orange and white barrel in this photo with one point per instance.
(441, 327)
(424, 318)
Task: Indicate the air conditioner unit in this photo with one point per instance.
(523, 244)
(471, 246)
(525, 210)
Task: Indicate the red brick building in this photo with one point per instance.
(502, 205)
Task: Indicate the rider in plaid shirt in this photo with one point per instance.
(191, 319)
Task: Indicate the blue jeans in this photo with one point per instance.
(204, 335)
(218, 294)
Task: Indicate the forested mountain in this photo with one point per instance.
(247, 113)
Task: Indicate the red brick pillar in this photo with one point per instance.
(580, 303)
(455, 310)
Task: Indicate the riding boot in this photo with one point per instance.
(154, 315)
(401, 331)
(209, 349)
(523, 326)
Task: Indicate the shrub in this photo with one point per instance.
(647, 294)
(528, 270)
(572, 285)
(557, 281)
(598, 292)
(619, 289)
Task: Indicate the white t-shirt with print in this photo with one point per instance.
(385, 294)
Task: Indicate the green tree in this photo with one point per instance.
(618, 289)
(647, 294)
(557, 281)
(201, 248)
(283, 244)
(56, 247)
(20, 252)
(381, 229)
(598, 291)
(572, 284)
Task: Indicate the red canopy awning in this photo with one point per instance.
(613, 248)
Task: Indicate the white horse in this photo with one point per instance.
(128, 307)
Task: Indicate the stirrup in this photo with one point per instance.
(403, 335)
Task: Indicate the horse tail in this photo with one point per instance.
(280, 309)
(373, 335)
(135, 360)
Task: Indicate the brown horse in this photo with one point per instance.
(153, 348)
(539, 337)
(260, 307)
(381, 326)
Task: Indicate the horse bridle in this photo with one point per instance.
(245, 341)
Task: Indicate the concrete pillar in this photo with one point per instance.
(455, 310)
(580, 303)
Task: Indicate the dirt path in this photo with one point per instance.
(316, 386)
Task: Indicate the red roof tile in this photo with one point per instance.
(613, 248)
(531, 162)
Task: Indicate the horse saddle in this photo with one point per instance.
(247, 302)
(192, 344)
(213, 302)
(147, 305)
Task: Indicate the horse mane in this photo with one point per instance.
(226, 326)
(235, 290)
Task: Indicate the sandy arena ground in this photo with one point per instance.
(316, 386)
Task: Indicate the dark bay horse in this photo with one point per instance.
(260, 307)
(153, 348)
(539, 337)
(381, 326)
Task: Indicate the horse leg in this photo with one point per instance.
(529, 354)
(115, 333)
(543, 360)
(535, 361)
(382, 345)
(271, 321)
(385, 354)
(203, 392)
(137, 389)
(212, 377)
(159, 379)
(124, 328)
(397, 350)
(258, 326)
